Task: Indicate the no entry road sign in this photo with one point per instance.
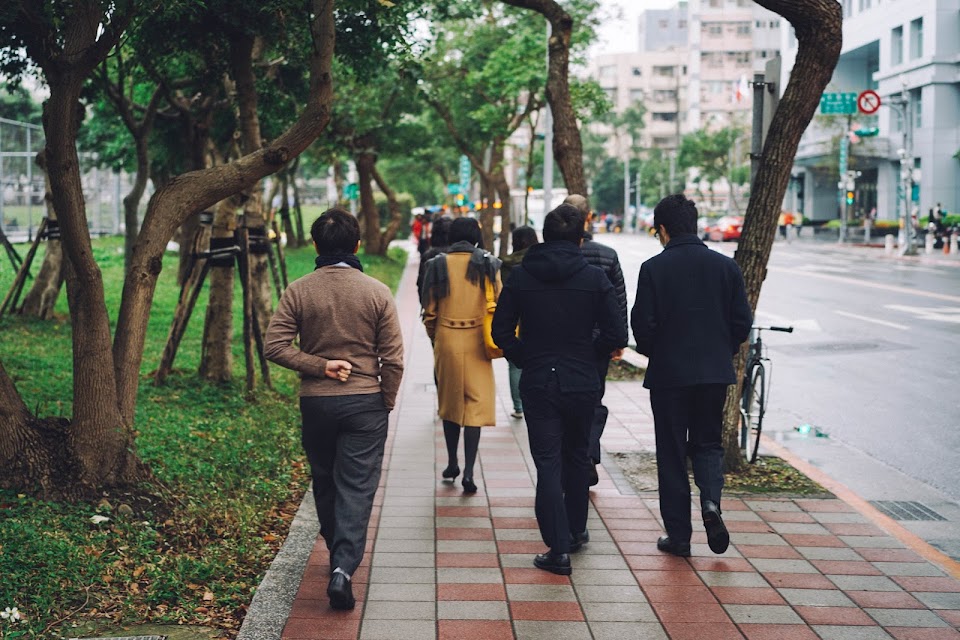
(868, 102)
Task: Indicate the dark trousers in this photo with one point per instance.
(558, 425)
(688, 421)
(344, 438)
(600, 412)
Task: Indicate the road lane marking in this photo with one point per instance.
(941, 314)
(872, 285)
(892, 325)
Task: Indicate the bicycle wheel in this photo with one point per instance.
(757, 406)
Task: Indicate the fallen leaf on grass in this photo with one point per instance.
(208, 596)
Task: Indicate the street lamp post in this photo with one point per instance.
(901, 105)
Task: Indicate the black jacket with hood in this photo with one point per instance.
(558, 299)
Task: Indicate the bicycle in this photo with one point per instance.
(753, 402)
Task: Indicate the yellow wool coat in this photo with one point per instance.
(465, 385)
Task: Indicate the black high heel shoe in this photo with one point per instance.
(468, 485)
(451, 472)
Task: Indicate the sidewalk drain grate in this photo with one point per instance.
(907, 510)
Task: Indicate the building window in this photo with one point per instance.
(916, 38)
(609, 71)
(714, 30)
(744, 3)
(664, 72)
(743, 29)
(681, 24)
(637, 71)
(663, 24)
(712, 59)
(758, 24)
(663, 142)
(636, 95)
(665, 117)
(916, 106)
(896, 46)
(847, 8)
(774, 24)
(715, 4)
(611, 95)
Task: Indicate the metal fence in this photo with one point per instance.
(21, 186)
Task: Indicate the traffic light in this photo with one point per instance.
(849, 197)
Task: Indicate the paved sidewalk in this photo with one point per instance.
(444, 565)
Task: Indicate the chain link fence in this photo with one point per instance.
(22, 186)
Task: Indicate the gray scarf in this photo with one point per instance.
(436, 278)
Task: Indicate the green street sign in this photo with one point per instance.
(453, 188)
(352, 191)
(866, 133)
(838, 103)
(464, 172)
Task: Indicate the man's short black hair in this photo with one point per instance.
(468, 229)
(523, 238)
(335, 232)
(677, 214)
(564, 223)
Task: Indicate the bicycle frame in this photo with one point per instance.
(755, 355)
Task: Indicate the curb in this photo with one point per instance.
(891, 526)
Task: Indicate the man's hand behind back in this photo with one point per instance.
(338, 370)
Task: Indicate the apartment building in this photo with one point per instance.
(907, 52)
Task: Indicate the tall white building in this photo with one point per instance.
(901, 50)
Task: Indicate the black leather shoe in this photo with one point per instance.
(558, 563)
(451, 472)
(577, 540)
(594, 476)
(682, 549)
(340, 592)
(468, 485)
(717, 536)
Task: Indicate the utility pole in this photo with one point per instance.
(902, 106)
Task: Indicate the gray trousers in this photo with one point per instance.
(344, 437)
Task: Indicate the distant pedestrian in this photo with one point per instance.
(557, 299)
(521, 239)
(350, 362)
(454, 303)
(605, 257)
(439, 243)
(691, 315)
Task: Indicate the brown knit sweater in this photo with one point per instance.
(339, 314)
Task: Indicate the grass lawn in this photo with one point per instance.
(192, 548)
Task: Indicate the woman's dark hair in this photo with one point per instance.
(677, 214)
(523, 238)
(564, 223)
(466, 229)
(336, 231)
(440, 235)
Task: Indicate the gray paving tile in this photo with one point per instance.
(799, 527)
(864, 583)
(469, 575)
(939, 600)
(393, 575)
(403, 592)
(608, 593)
(388, 559)
(603, 577)
(838, 632)
(540, 630)
(464, 522)
(526, 535)
(776, 565)
(404, 546)
(472, 610)
(516, 559)
(757, 538)
(772, 505)
(741, 516)
(627, 630)
(872, 542)
(541, 592)
(828, 553)
(466, 546)
(597, 561)
(906, 618)
(838, 517)
(398, 630)
(599, 547)
(384, 610)
(406, 533)
(618, 612)
(762, 614)
(703, 550)
(908, 569)
(512, 512)
(732, 579)
(816, 597)
(399, 511)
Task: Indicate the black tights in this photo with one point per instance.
(471, 442)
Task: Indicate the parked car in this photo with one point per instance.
(725, 228)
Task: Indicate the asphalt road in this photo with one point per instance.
(874, 361)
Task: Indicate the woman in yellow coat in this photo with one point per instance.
(454, 303)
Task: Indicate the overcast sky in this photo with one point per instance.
(618, 29)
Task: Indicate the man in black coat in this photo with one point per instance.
(690, 317)
(600, 255)
(558, 299)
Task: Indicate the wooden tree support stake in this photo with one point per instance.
(13, 296)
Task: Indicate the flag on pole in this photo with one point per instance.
(742, 89)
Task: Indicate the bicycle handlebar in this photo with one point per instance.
(784, 329)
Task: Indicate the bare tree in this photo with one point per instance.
(818, 25)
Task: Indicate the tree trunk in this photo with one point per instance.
(131, 203)
(42, 297)
(487, 194)
(216, 359)
(372, 238)
(819, 35)
(503, 190)
(567, 147)
(396, 214)
(197, 190)
(297, 209)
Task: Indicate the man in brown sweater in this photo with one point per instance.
(350, 361)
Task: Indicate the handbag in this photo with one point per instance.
(493, 351)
